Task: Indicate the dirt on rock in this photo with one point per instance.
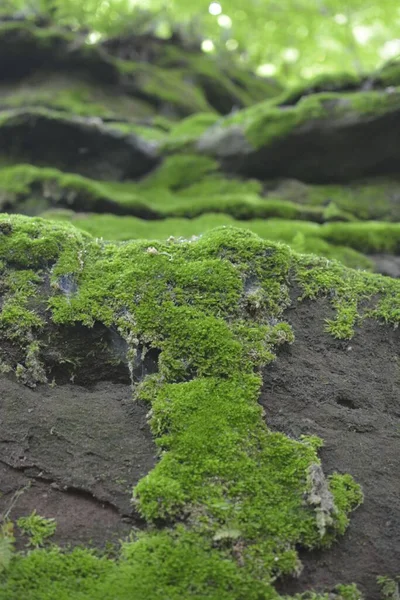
(75, 454)
(348, 393)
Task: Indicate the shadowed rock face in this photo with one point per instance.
(75, 453)
(348, 393)
(78, 145)
(24, 52)
(310, 153)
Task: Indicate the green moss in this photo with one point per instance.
(186, 81)
(328, 82)
(227, 82)
(179, 171)
(160, 85)
(301, 236)
(42, 574)
(369, 236)
(73, 101)
(389, 587)
(348, 289)
(37, 528)
(43, 36)
(183, 186)
(20, 118)
(16, 316)
(74, 96)
(339, 592)
(388, 74)
(240, 487)
(217, 185)
(185, 133)
(188, 185)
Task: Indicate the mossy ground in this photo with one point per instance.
(235, 498)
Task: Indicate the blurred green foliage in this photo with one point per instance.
(288, 38)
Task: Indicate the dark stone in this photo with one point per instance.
(77, 145)
(319, 151)
(346, 392)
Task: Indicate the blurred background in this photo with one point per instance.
(150, 119)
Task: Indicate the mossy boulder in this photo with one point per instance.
(230, 501)
(304, 141)
(180, 186)
(224, 82)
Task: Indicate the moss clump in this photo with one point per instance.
(37, 528)
(339, 592)
(185, 133)
(179, 171)
(389, 587)
(240, 487)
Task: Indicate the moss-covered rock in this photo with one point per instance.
(225, 83)
(189, 185)
(304, 141)
(182, 186)
(212, 308)
(388, 75)
(26, 46)
(175, 82)
(185, 314)
(75, 95)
